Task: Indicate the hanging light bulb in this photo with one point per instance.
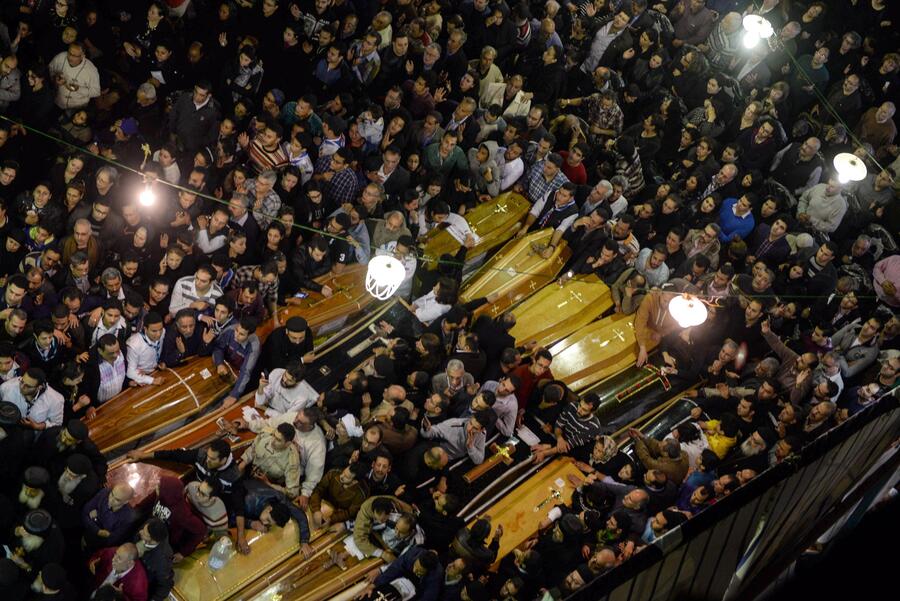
(750, 39)
(147, 197)
(756, 28)
(384, 276)
(688, 310)
(849, 167)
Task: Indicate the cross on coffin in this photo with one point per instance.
(573, 295)
(501, 454)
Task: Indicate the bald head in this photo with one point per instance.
(885, 112)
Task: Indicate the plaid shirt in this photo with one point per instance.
(611, 118)
(342, 187)
(244, 275)
(271, 203)
(538, 186)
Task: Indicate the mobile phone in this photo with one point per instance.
(222, 423)
(301, 295)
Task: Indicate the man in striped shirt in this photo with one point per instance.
(265, 151)
(266, 201)
(575, 427)
(198, 291)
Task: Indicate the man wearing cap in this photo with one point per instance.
(284, 390)
(13, 581)
(293, 340)
(37, 541)
(55, 445)
(52, 584)
(14, 443)
(40, 405)
(33, 491)
(75, 486)
(119, 567)
(107, 517)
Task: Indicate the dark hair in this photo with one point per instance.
(382, 505)
(107, 340)
(249, 323)
(281, 515)
(287, 430)
(221, 447)
(152, 318)
(157, 529)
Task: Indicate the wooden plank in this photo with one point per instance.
(555, 311)
(515, 272)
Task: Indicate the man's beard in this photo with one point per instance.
(33, 502)
(31, 542)
(68, 485)
(749, 449)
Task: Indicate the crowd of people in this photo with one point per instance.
(285, 140)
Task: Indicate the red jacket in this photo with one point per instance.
(133, 585)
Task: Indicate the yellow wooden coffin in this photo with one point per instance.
(521, 510)
(595, 352)
(143, 410)
(327, 314)
(493, 222)
(515, 271)
(555, 311)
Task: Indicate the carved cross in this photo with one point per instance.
(555, 495)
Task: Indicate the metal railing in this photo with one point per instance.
(734, 548)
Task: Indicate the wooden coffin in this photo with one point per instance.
(514, 272)
(595, 352)
(555, 311)
(632, 393)
(325, 315)
(493, 222)
(312, 581)
(521, 509)
(195, 581)
(141, 411)
(354, 345)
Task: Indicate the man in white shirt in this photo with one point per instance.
(40, 405)
(213, 234)
(77, 79)
(284, 390)
(144, 351)
(506, 407)
(511, 165)
(197, 292)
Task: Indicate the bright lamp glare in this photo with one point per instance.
(147, 197)
(750, 39)
(687, 310)
(849, 167)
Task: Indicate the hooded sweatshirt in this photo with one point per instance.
(186, 529)
(478, 170)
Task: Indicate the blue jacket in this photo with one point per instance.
(241, 357)
(733, 225)
(427, 588)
